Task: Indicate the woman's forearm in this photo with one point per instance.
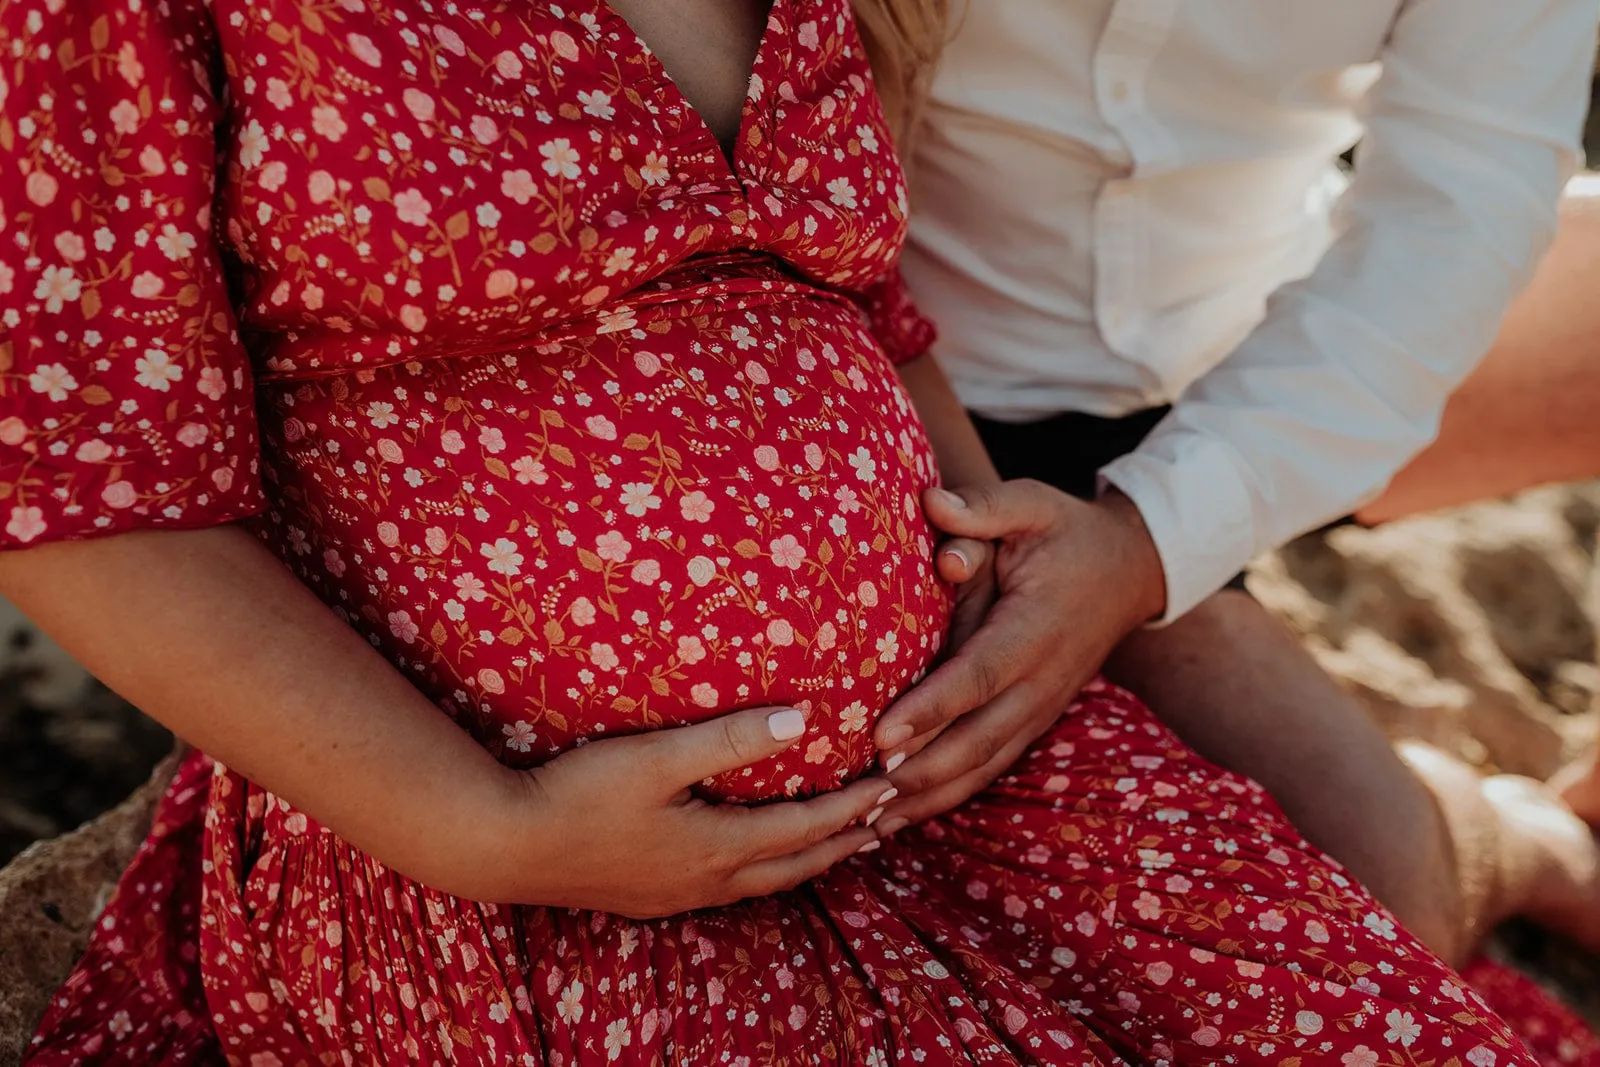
(211, 635)
(962, 458)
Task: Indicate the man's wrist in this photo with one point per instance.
(1140, 560)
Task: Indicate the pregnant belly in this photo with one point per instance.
(629, 531)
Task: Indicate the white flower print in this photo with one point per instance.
(252, 145)
(842, 194)
(57, 287)
(53, 380)
(560, 158)
(157, 371)
(1402, 1028)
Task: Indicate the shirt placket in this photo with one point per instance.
(1133, 37)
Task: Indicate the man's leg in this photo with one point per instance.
(1447, 852)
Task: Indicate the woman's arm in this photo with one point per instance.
(963, 461)
(213, 637)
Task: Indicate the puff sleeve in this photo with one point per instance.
(899, 326)
(125, 393)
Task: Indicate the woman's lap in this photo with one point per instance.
(1113, 898)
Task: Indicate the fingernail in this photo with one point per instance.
(870, 846)
(950, 498)
(896, 735)
(874, 814)
(894, 762)
(786, 725)
(893, 826)
(960, 557)
(888, 795)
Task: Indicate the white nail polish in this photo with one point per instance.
(894, 762)
(888, 795)
(874, 815)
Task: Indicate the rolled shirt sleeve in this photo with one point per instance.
(1471, 133)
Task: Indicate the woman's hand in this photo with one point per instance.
(1074, 579)
(612, 825)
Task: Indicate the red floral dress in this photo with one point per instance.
(590, 431)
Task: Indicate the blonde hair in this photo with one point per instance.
(904, 39)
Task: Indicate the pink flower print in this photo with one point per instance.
(326, 122)
(780, 633)
(1360, 1056)
(125, 117)
(1308, 1023)
(1148, 906)
(756, 373)
(827, 637)
(470, 587)
(564, 45)
(767, 457)
(41, 188)
(381, 414)
(484, 130)
(320, 186)
(413, 318)
(128, 65)
(412, 207)
(70, 247)
(697, 507)
(449, 40)
(530, 471)
(819, 750)
(702, 570)
(690, 649)
(647, 363)
(389, 450)
(583, 611)
(452, 442)
(603, 656)
(363, 49)
(517, 185)
(1272, 921)
(26, 523)
(508, 66)
(601, 427)
(612, 546)
(847, 500)
(704, 695)
(193, 434)
(646, 572)
(402, 626)
(813, 454)
(797, 1017)
(420, 104)
(867, 593)
(389, 533)
(273, 175)
(853, 719)
(436, 540)
(503, 557)
(1159, 973)
(152, 162)
(500, 284)
(1206, 1036)
(491, 440)
(93, 451)
(787, 552)
(120, 494)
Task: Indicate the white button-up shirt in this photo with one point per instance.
(1119, 204)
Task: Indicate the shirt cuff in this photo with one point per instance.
(1195, 502)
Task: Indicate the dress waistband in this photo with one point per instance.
(694, 287)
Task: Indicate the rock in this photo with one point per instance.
(50, 897)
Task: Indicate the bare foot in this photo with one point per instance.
(1579, 785)
(1554, 850)
(1518, 849)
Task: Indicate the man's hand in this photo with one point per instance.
(1073, 579)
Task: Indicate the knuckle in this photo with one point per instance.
(985, 675)
(730, 739)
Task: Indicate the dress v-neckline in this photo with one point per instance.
(731, 159)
